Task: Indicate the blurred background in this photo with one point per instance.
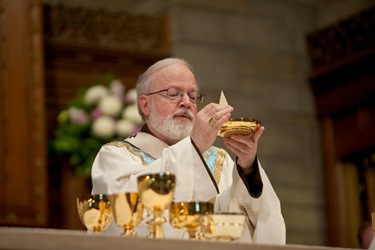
(304, 68)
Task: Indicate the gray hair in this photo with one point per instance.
(145, 80)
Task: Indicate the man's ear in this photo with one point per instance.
(143, 102)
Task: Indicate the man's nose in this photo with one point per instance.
(185, 100)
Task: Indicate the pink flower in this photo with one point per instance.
(78, 116)
(117, 89)
(96, 113)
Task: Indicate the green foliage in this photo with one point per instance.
(74, 138)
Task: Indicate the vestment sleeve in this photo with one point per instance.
(266, 224)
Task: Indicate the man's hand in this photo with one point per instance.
(207, 124)
(245, 148)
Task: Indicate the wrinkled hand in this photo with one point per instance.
(245, 148)
(204, 134)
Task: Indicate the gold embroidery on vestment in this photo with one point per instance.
(129, 148)
(219, 165)
(116, 143)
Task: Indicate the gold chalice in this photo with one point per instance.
(156, 192)
(239, 126)
(94, 211)
(127, 211)
(188, 214)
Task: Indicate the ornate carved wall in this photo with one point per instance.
(342, 80)
(101, 28)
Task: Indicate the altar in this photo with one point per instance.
(41, 238)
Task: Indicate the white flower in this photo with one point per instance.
(110, 105)
(124, 127)
(131, 113)
(103, 127)
(131, 95)
(94, 94)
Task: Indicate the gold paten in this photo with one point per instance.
(239, 126)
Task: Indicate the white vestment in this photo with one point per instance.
(372, 244)
(118, 165)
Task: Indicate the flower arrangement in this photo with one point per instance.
(98, 115)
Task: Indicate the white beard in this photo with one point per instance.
(169, 127)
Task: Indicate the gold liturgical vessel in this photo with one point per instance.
(224, 226)
(156, 192)
(187, 215)
(127, 211)
(239, 126)
(94, 211)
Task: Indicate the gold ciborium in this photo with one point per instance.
(94, 211)
(239, 126)
(156, 192)
(187, 215)
(127, 211)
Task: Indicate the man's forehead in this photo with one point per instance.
(173, 78)
(173, 71)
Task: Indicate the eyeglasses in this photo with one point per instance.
(176, 94)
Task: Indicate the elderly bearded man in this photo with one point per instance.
(177, 137)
